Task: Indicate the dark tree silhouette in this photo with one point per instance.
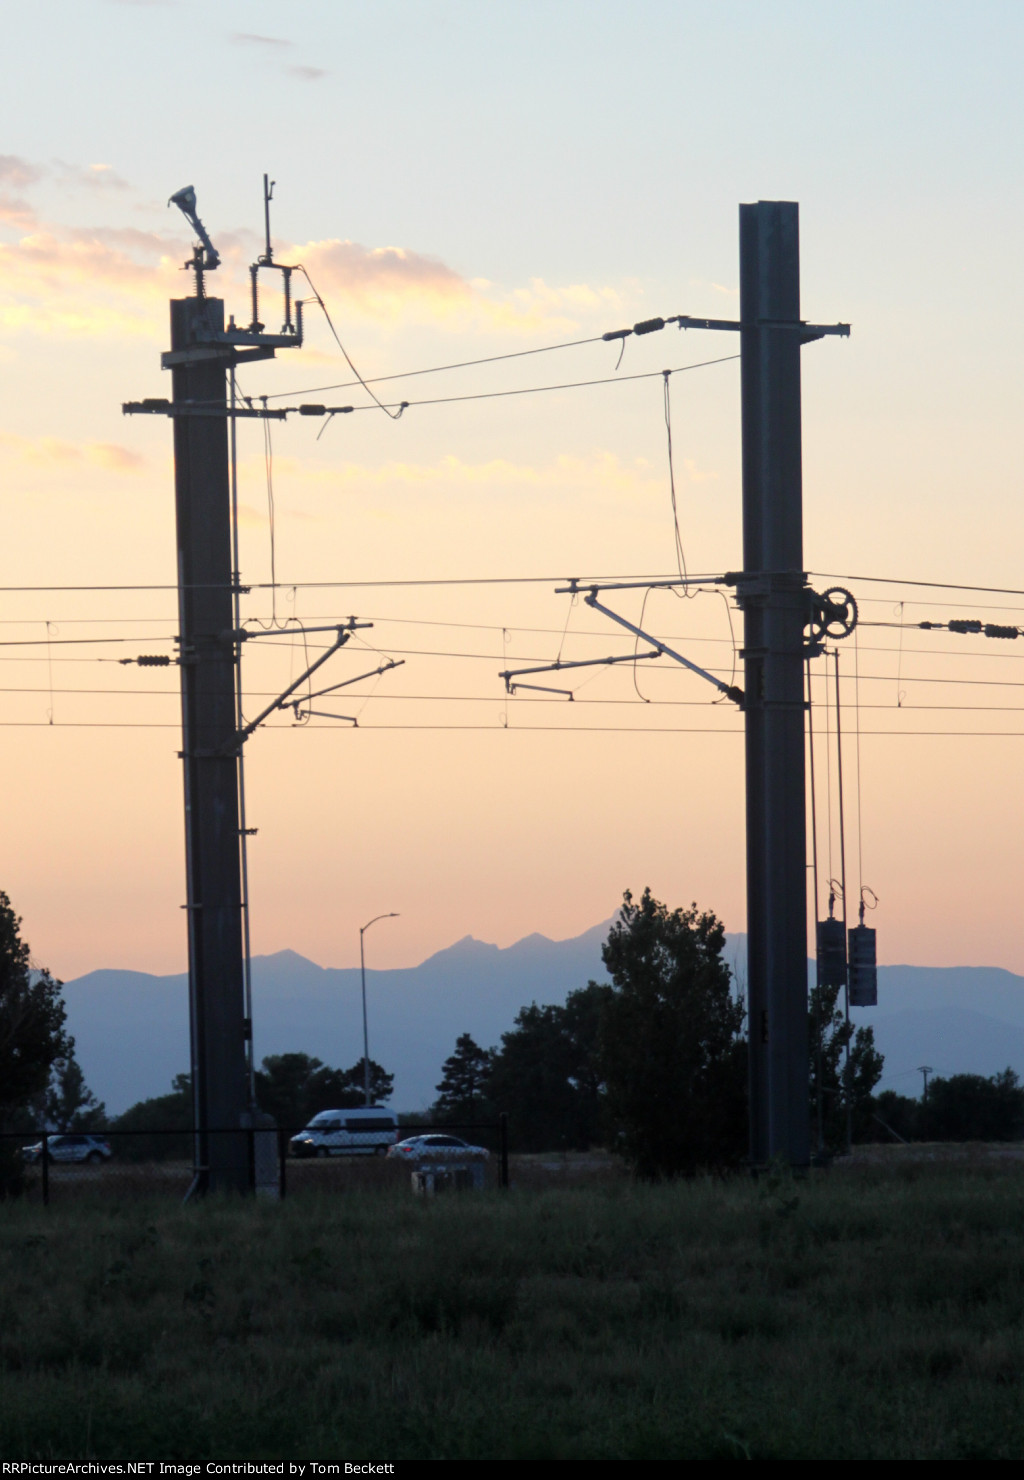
(829, 1076)
(293, 1087)
(672, 1050)
(70, 1103)
(32, 1036)
(462, 1092)
(970, 1107)
(547, 1076)
(163, 1113)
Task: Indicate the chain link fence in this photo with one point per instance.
(58, 1167)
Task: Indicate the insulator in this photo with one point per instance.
(963, 624)
(863, 967)
(993, 629)
(648, 326)
(312, 410)
(831, 953)
(154, 660)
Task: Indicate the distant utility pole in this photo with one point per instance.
(202, 351)
(925, 1069)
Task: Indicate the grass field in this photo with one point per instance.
(873, 1312)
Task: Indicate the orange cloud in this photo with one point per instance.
(46, 451)
(601, 471)
(115, 281)
(388, 283)
(18, 172)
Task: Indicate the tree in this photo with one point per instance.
(156, 1117)
(894, 1115)
(462, 1093)
(831, 1081)
(671, 1046)
(293, 1087)
(969, 1107)
(547, 1075)
(70, 1103)
(32, 1036)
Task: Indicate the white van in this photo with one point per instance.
(368, 1131)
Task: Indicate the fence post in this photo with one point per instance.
(282, 1159)
(46, 1170)
(503, 1149)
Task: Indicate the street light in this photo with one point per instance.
(362, 967)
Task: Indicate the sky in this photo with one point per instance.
(464, 181)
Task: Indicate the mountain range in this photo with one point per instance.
(131, 1028)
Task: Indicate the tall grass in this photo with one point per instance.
(860, 1315)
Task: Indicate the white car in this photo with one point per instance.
(93, 1149)
(438, 1148)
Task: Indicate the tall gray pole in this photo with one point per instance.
(366, 1031)
(772, 593)
(218, 1021)
(391, 915)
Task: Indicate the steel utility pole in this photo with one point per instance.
(202, 351)
(219, 1028)
(772, 592)
(785, 624)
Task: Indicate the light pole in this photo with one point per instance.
(393, 915)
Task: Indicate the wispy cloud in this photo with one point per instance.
(18, 172)
(91, 177)
(48, 451)
(272, 44)
(73, 282)
(116, 280)
(250, 38)
(391, 283)
(599, 473)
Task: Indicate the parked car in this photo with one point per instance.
(69, 1147)
(437, 1148)
(367, 1131)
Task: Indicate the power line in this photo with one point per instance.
(344, 385)
(392, 698)
(371, 585)
(825, 575)
(533, 390)
(514, 729)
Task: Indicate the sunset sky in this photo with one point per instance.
(470, 180)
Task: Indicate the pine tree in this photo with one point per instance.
(462, 1092)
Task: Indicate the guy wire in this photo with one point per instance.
(819, 1112)
(856, 710)
(814, 809)
(268, 458)
(828, 774)
(842, 876)
(243, 836)
(680, 554)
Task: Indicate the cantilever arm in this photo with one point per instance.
(511, 674)
(345, 682)
(735, 694)
(241, 736)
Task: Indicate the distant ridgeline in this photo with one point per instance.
(131, 1028)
